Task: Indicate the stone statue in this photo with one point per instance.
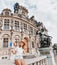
(45, 40)
(16, 7)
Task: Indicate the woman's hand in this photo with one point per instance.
(13, 51)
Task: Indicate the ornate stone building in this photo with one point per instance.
(16, 26)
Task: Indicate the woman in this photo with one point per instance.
(18, 51)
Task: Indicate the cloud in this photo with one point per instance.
(43, 10)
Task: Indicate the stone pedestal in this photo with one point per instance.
(49, 53)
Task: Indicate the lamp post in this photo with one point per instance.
(11, 32)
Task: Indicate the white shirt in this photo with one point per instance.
(19, 51)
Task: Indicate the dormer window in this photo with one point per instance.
(6, 13)
(5, 42)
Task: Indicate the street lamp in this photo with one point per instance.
(11, 32)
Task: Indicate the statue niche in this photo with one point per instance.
(16, 7)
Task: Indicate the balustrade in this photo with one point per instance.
(4, 52)
(37, 61)
(40, 60)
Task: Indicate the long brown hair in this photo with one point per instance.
(23, 44)
(26, 38)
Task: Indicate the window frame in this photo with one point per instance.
(25, 26)
(6, 24)
(5, 42)
(16, 25)
(7, 13)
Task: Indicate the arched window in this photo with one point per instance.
(7, 13)
(5, 40)
(17, 39)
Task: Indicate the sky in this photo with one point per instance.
(44, 11)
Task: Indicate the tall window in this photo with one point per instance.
(5, 42)
(16, 25)
(6, 24)
(25, 26)
(31, 30)
(32, 44)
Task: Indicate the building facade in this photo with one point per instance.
(16, 26)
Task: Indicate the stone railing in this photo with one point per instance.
(35, 61)
(30, 59)
(4, 53)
